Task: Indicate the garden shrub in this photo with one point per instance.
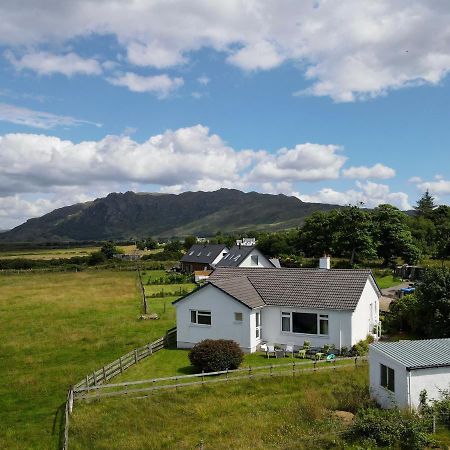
(214, 355)
(390, 428)
(361, 348)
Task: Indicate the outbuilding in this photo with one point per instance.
(400, 371)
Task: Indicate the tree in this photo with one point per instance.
(189, 241)
(425, 204)
(173, 246)
(148, 243)
(109, 250)
(316, 236)
(441, 221)
(392, 234)
(353, 234)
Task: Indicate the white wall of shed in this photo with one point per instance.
(433, 380)
(385, 398)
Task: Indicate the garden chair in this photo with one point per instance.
(270, 350)
(288, 348)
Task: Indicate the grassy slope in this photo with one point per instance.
(282, 412)
(387, 281)
(54, 328)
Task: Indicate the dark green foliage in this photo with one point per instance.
(214, 355)
(109, 249)
(149, 244)
(361, 348)
(425, 204)
(426, 312)
(441, 408)
(390, 428)
(189, 241)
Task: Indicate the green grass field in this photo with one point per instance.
(387, 281)
(276, 413)
(55, 328)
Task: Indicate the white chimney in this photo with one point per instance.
(325, 262)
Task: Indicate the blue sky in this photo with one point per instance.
(331, 102)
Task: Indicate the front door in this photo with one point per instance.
(258, 326)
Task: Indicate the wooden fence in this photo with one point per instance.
(142, 387)
(117, 367)
(141, 290)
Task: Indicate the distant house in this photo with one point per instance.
(202, 257)
(278, 305)
(399, 371)
(245, 256)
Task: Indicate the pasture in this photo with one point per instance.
(54, 329)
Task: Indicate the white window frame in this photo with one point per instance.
(258, 324)
(390, 377)
(195, 313)
(319, 317)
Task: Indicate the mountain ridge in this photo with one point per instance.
(129, 215)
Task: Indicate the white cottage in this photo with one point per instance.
(280, 305)
(399, 371)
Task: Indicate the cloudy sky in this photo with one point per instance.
(335, 102)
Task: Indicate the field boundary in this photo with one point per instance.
(100, 376)
(295, 368)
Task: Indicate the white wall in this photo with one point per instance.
(223, 325)
(362, 318)
(432, 380)
(219, 257)
(339, 327)
(384, 397)
(262, 260)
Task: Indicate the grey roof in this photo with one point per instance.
(338, 289)
(203, 253)
(236, 255)
(242, 290)
(420, 354)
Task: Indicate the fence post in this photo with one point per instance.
(150, 348)
(70, 399)
(87, 382)
(135, 355)
(104, 373)
(203, 376)
(95, 378)
(271, 369)
(293, 368)
(356, 360)
(434, 423)
(315, 365)
(121, 366)
(227, 373)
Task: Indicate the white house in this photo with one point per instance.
(280, 305)
(399, 371)
(202, 257)
(245, 256)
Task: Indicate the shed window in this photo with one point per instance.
(201, 317)
(238, 317)
(387, 377)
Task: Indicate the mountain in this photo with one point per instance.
(133, 215)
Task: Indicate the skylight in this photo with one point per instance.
(191, 253)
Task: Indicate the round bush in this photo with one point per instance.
(214, 355)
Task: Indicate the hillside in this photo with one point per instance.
(133, 215)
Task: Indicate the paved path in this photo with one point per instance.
(389, 294)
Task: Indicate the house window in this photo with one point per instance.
(258, 325)
(305, 323)
(285, 321)
(254, 260)
(387, 377)
(238, 316)
(201, 317)
(323, 324)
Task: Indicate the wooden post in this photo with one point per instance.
(434, 424)
(70, 399)
(87, 382)
(271, 369)
(356, 359)
(315, 365)
(121, 366)
(104, 373)
(135, 356)
(95, 378)
(150, 349)
(250, 371)
(227, 373)
(293, 368)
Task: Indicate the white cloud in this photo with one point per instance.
(45, 63)
(363, 172)
(161, 85)
(38, 119)
(203, 80)
(384, 45)
(369, 193)
(440, 186)
(304, 162)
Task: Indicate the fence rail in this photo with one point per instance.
(292, 368)
(105, 373)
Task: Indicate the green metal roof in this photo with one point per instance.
(419, 354)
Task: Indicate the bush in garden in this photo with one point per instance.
(214, 355)
(361, 348)
(390, 428)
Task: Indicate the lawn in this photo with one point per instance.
(281, 412)
(55, 328)
(387, 281)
